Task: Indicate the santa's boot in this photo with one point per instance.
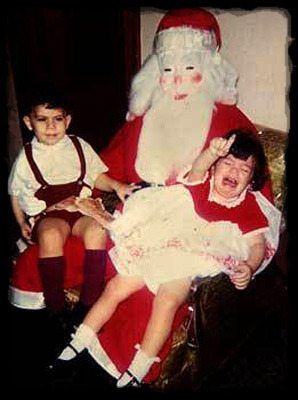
(137, 370)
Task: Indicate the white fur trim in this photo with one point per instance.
(21, 244)
(273, 216)
(186, 38)
(256, 232)
(25, 299)
(96, 350)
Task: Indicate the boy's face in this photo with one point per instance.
(49, 125)
(232, 176)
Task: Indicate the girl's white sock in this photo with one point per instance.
(139, 367)
(81, 339)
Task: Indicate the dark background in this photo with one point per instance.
(89, 54)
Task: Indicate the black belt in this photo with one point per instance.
(143, 185)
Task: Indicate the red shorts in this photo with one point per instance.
(69, 217)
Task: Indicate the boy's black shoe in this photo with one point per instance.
(60, 329)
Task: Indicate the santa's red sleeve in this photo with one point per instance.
(120, 154)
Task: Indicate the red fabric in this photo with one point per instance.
(194, 18)
(25, 275)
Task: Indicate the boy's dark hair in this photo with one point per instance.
(248, 144)
(44, 94)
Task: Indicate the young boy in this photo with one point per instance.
(48, 175)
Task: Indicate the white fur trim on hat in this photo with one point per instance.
(186, 38)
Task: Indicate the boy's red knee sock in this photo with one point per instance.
(51, 271)
(94, 274)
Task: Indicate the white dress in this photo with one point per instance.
(160, 237)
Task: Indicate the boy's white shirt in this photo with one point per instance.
(58, 163)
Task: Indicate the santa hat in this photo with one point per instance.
(194, 29)
(190, 30)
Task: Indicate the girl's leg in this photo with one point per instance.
(94, 238)
(169, 298)
(166, 302)
(118, 289)
(51, 236)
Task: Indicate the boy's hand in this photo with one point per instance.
(124, 190)
(26, 231)
(219, 147)
(241, 276)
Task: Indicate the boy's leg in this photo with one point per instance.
(166, 302)
(94, 238)
(51, 236)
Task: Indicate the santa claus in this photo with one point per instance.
(183, 96)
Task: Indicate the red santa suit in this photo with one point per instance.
(154, 147)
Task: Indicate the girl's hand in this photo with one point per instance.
(124, 190)
(68, 204)
(26, 231)
(241, 276)
(219, 147)
(94, 208)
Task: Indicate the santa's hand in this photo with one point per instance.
(124, 190)
(219, 147)
(130, 116)
(241, 276)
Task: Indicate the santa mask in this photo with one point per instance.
(185, 57)
(181, 74)
(176, 91)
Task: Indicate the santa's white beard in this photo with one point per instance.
(173, 134)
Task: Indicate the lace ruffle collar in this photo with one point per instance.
(226, 203)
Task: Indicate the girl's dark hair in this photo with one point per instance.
(248, 144)
(44, 94)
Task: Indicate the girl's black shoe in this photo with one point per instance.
(133, 383)
(66, 370)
